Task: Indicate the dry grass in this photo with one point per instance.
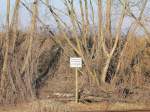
(53, 106)
(49, 106)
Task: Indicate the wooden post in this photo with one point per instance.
(76, 63)
(76, 84)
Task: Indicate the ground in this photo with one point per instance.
(82, 107)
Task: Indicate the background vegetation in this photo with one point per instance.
(113, 62)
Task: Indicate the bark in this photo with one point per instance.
(118, 32)
(108, 23)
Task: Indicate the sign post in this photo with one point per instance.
(77, 92)
(76, 63)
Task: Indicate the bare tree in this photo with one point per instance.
(108, 21)
(28, 59)
(118, 32)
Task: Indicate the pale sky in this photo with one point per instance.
(46, 17)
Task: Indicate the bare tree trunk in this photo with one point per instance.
(28, 59)
(82, 16)
(118, 32)
(100, 18)
(14, 24)
(108, 23)
(5, 63)
(101, 39)
(15, 14)
(86, 23)
(33, 27)
(133, 28)
(6, 78)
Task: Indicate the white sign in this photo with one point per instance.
(75, 62)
